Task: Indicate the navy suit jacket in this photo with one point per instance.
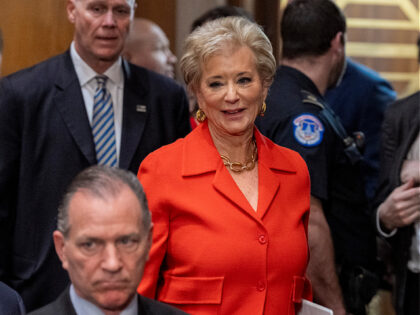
(10, 302)
(360, 102)
(46, 139)
(146, 306)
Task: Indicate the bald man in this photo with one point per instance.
(147, 46)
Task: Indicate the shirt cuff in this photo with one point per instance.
(379, 228)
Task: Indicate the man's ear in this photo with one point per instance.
(70, 8)
(60, 244)
(338, 42)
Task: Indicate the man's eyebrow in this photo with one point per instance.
(88, 238)
(129, 235)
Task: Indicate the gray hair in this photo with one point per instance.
(102, 182)
(213, 36)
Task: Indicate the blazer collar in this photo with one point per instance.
(201, 156)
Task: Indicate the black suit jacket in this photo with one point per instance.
(146, 306)
(400, 129)
(46, 139)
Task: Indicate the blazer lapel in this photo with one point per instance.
(69, 101)
(412, 132)
(135, 111)
(270, 162)
(225, 185)
(268, 185)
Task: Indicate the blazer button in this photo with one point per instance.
(262, 239)
(260, 286)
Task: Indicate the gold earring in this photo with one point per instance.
(200, 116)
(263, 109)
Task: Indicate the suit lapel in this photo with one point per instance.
(268, 185)
(69, 101)
(409, 133)
(135, 111)
(225, 185)
(62, 305)
(270, 162)
(412, 133)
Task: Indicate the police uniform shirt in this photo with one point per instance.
(296, 125)
(293, 120)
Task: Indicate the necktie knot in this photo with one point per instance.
(101, 81)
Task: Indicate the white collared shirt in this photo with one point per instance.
(84, 307)
(114, 84)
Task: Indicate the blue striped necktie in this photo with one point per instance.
(103, 125)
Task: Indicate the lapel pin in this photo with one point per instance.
(141, 108)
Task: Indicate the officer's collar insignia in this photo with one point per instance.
(308, 97)
(308, 130)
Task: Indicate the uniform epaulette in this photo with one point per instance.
(308, 97)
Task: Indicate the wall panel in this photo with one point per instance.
(36, 30)
(32, 31)
(382, 34)
(163, 13)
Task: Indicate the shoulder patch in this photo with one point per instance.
(308, 130)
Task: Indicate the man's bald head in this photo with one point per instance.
(148, 46)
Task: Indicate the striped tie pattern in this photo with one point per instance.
(103, 125)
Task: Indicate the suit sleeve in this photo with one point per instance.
(10, 142)
(150, 180)
(381, 96)
(389, 144)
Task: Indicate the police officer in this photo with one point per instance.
(297, 117)
(360, 101)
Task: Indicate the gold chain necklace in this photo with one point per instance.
(239, 167)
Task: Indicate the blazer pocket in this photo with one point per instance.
(191, 290)
(301, 289)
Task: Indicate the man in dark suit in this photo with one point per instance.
(398, 213)
(103, 238)
(47, 114)
(10, 301)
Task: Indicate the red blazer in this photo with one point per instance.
(212, 253)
